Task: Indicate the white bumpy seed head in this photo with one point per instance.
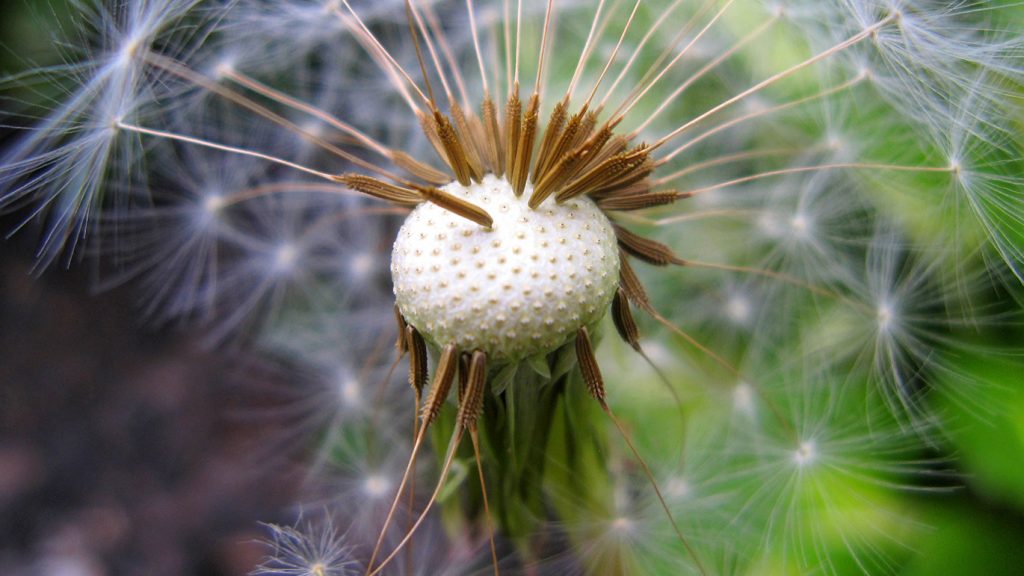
(522, 287)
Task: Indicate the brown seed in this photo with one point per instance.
(646, 249)
(443, 377)
(623, 319)
(379, 188)
(473, 400)
(401, 344)
(631, 285)
(417, 359)
(520, 171)
(454, 149)
(625, 203)
(588, 366)
(456, 205)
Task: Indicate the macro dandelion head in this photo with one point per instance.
(675, 287)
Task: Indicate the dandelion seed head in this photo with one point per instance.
(213, 203)
(377, 486)
(284, 257)
(743, 399)
(805, 454)
(622, 525)
(801, 226)
(362, 265)
(349, 390)
(885, 316)
(678, 488)
(521, 287)
(737, 309)
(771, 224)
(307, 549)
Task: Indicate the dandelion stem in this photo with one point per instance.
(439, 393)
(207, 144)
(430, 48)
(587, 46)
(704, 70)
(283, 98)
(474, 436)
(541, 60)
(299, 187)
(363, 33)
(688, 217)
(818, 168)
(449, 55)
(431, 102)
(728, 159)
(476, 45)
(643, 42)
(856, 38)
(519, 36)
(629, 103)
(757, 114)
(207, 83)
(448, 459)
(508, 45)
(615, 52)
(595, 386)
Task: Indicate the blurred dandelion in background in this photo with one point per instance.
(604, 287)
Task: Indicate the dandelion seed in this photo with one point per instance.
(307, 550)
(805, 455)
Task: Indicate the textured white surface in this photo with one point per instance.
(522, 287)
